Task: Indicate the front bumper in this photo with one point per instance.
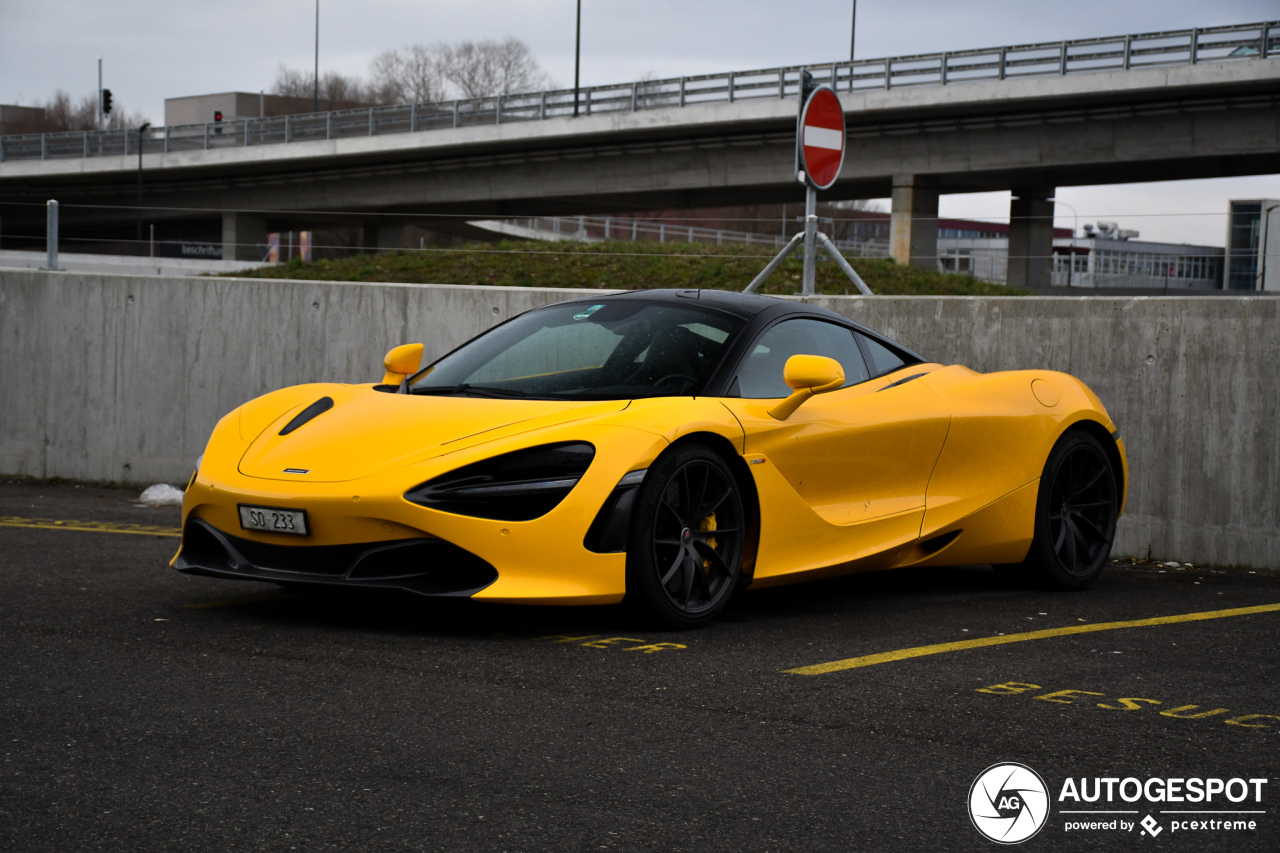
(427, 566)
(540, 561)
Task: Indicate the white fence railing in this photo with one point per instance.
(658, 231)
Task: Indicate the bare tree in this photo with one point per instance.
(412, 75)
(859, 220)
(337, 91)
(341, 91)
(486, 68)
(62, 113)
(291, 83)
(422, 73)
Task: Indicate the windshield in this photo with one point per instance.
(608, 350)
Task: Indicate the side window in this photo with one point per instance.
(883, 359)
(760, 375)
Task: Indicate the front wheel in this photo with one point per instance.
(1075, 514)
(684, 548)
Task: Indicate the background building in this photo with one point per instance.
(1253, 260)
(980, 249)
(16, 120)
(198, 109)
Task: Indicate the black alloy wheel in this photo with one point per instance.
(1075, 514)
(684, 548)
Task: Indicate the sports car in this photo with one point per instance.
(668, 448)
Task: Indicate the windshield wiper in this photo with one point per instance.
(468, 388)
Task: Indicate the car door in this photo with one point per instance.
(860, 454)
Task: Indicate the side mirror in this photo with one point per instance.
(807, 375)
(401, 362)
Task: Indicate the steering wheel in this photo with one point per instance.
(688, 380)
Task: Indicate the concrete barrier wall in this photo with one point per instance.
(121, 378)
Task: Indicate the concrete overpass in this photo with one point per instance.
(933, 125)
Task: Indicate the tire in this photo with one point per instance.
(684, 547)
(1076, 512)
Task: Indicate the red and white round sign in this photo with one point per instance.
(822, 137)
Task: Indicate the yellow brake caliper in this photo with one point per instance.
(708, 523)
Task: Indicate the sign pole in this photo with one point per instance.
(810, 238)
(820, 148)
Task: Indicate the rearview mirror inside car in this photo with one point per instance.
(807, 375)
(401, 362)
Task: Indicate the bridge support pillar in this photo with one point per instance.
(242, 234)
(383, 235)
(913, 223)
(1030, 259)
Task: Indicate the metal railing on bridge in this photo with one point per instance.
(1178, 47)
(659, 231)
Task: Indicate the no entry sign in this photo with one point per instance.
(822, 137)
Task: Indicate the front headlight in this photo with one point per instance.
(195, 473)
(517, 486)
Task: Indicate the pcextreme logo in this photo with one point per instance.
(1009, 803)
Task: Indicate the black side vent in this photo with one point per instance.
(903, 381)
(937, 543)
(319, 407)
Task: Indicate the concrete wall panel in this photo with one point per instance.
(1192, 383)
(121, 378)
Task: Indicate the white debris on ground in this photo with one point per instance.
(161, 494)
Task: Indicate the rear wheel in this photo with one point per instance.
(684, 549)
(1075, 515)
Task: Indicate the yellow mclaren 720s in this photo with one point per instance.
(666, 447)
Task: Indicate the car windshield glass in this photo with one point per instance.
(609, 350)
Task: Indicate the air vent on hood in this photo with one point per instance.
(319, 407)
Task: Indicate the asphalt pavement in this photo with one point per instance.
(141, 709)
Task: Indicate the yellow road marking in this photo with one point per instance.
(598, 641)
(249, 599)
(939, 648)
(88, 526)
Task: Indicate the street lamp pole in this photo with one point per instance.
(315, 82)
(853, 29)
(142, 130)
(577, 58)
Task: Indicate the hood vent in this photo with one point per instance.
(319, 407)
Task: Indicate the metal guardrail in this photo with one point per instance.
(627, 228)
(1146, 50)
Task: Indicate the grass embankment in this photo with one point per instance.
(623, 265)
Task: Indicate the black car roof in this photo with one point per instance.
(745, 305)
(757, 310)
(757, 313)
(748, 306)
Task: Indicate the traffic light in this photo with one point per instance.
(217, 115)
(806, 85)
(106, 102)
(217, 121)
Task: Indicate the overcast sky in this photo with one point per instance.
(154, 49)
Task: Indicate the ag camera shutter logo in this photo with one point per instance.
(1008, 803)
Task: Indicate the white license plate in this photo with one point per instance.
(272, 519)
